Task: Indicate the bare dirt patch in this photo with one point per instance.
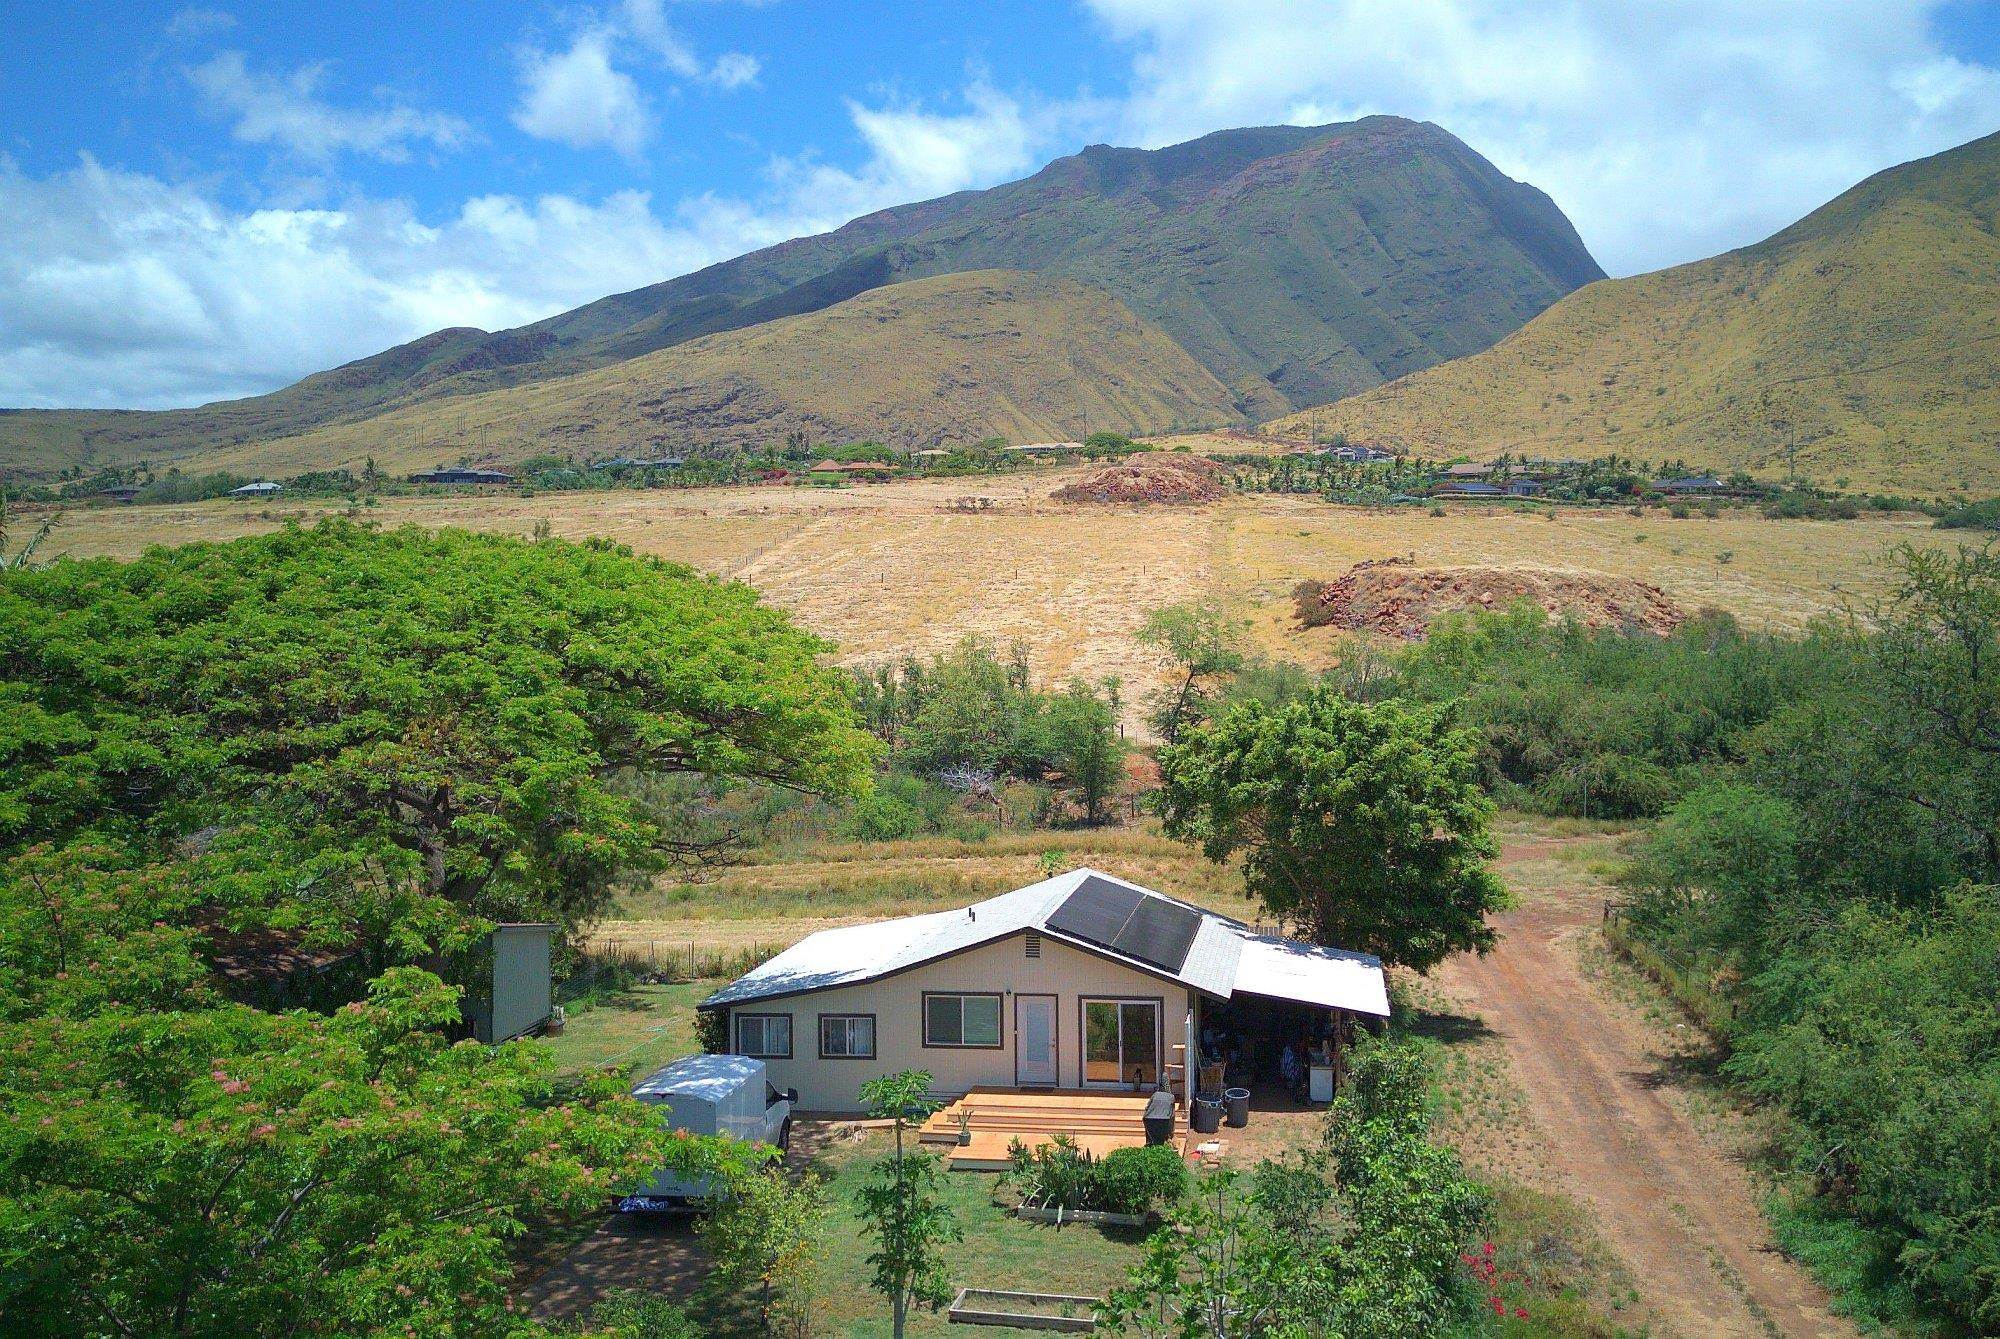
(1395, 597)
(1153, 479)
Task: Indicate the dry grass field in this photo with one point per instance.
(890, 569)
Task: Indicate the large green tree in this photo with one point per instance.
(173, 1164)
(1363, 822)
(444, 712)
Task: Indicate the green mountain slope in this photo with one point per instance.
(1297, 264)
(956, 358)
(1862, 341)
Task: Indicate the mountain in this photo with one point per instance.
(1863, 342)
(1296, 264)
(959, 357)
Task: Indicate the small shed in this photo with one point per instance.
(262, 488)
(509, 990)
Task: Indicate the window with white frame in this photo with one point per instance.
(847, 1036)
(962, 1020)
(765, 1036)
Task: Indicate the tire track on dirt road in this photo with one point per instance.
(1679, 1212)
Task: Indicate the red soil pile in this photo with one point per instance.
(1395, 598)
(1154, 478)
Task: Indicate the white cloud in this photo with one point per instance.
(586, 97)
(1666, 129)
(646, 21)
(577, 97)
(119, 289)
(199, 21)
(288, 113)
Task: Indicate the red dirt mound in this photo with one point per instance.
(1158, 477)
(1396, 598)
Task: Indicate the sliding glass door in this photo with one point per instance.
(1121, 1043)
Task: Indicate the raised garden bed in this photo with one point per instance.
(1059, 1215)
(1024, 1311)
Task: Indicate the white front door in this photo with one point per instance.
(1035, 1041)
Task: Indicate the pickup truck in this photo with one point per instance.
(727, 1095)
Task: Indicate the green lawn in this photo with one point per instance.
(998, 1251)
(637, 1030)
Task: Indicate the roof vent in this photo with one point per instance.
(1034, 945)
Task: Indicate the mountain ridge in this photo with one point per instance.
(1295, 263)
(1861, 342)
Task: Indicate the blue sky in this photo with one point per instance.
(207, 200)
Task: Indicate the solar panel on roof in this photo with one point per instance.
(1096, 911)
(1160, 932)
(1127, 921)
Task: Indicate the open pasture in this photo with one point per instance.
(911, 566)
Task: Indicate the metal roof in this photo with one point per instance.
(1222, 958)
(707, 1078)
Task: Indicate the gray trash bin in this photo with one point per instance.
(1206, 1117)
(1160, 1117)
(1237, 1101)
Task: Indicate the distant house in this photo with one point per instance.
(631, 463)
(458, 475)
(262, 488)
(1699, 483)
(1357, 455)
(854, 469)
(1467, 470)
(1524, 487)
(119, 492)
(929, 453)
(1468, 488)
(1047, 448)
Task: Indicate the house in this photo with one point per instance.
(853, 469)
(1466, 469)
(461, 475)
(1700, 483)
(632, 463)
(119, 492)
(1524, 487)
(1473, 488)
(1047, 448)
(1358, 455)
(262, 488)
(1081, 981)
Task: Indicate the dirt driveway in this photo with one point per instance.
(1595, 1077)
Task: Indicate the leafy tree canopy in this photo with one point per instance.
(1364, 822)
(442, 712)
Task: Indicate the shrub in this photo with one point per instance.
(1136, 1180)
(633, 1314)
(1054, 1175)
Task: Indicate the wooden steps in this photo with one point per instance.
(996, 1117)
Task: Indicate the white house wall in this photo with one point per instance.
(897, 1002)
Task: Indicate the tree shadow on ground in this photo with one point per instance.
(1452, 1029)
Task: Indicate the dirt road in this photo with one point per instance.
(1592, 1072)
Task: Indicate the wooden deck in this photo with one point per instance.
(1098, 1121)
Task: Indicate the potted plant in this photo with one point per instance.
(964, 1127)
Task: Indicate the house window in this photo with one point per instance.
(764, 1036)
(847, 1036)
(962, 1020)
